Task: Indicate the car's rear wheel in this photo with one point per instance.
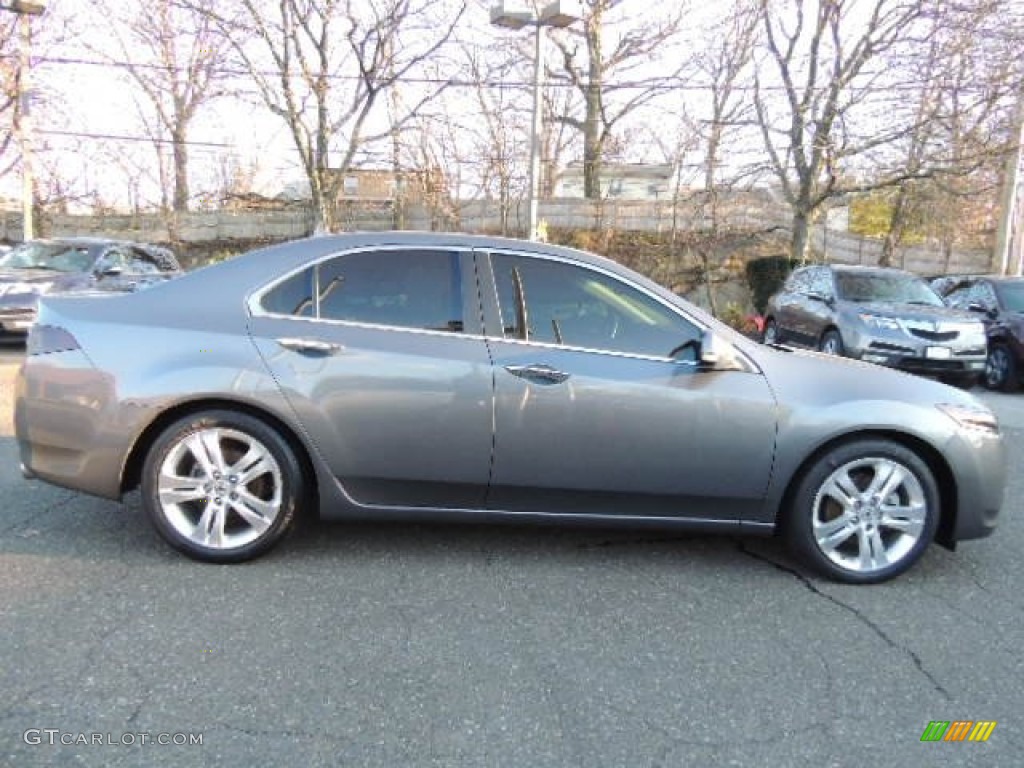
(1001, 369)
(221, 486)
(771, 333)
(832, 343)
(864, 512)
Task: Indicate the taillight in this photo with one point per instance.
(47, 339)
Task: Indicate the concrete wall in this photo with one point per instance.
(744, 212)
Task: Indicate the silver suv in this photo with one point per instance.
(878, 315)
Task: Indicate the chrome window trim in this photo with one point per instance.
(593, 351)
(256, 310)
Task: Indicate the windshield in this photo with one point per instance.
(60, 257)
(1012, 296)
(885, 286)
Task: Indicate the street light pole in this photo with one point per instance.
(535, 132)
(28, 184)
(514, 14)
(25, 11)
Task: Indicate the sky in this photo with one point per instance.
(95, 101)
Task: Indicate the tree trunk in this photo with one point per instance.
(592, 138)
(180, 151)
(801, 236)
(897, 227)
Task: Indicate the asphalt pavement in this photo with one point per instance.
(391, 645)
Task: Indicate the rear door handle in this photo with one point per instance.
(314, 346)
(538, 372)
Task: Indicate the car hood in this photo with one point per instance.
(917, 312)
(804, 378)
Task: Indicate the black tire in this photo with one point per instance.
(867, 526)
(771, 333)
(1001, 369)
(832, 343)
(222, 510)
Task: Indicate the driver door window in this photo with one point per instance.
(552, 302)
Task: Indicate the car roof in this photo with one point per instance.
(218, 286)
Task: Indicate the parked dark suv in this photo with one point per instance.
(884, 316)
(999, 303)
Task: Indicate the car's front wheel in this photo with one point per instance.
(832, 343)
(771, 333)
(221, 486)
(863, 512)
(1000, 369)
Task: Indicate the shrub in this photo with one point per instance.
(766, 275)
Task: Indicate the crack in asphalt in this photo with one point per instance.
(865, 620)
(53, 506)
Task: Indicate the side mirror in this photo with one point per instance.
(717, 353)
(111, 271)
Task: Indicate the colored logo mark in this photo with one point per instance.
(958, 730)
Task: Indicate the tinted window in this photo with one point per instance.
(292, 297)
(580, 307)
(407, 289)
(821, 282)
(1012, 296)
(960, 297)
(141, 263)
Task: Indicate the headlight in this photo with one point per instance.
(973, 333)
(976, 418)
(880, 323)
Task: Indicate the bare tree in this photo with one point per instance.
(8, 89)
(322, 66)
(720, 66)
(815, 77)
(608, 64)
(966, 76)
(170, 51)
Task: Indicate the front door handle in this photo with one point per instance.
(314, 346)
(539, 372)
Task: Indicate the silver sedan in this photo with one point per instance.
(410, 376)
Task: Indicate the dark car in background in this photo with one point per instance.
(74, 265)
(999, 303)
(878, 315)
(417, 377)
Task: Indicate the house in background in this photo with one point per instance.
(373, 185)
(377, 185)
(620, 181)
